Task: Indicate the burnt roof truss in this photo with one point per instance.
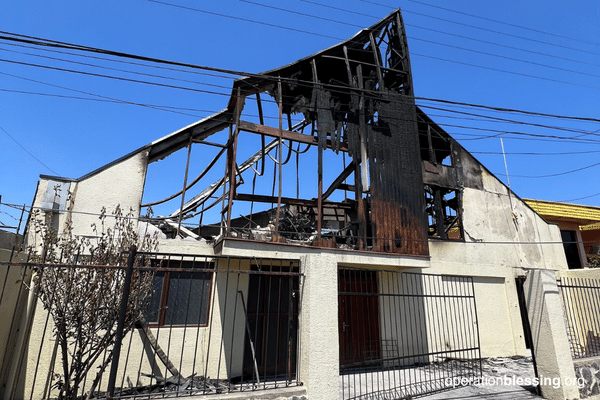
(327, 151)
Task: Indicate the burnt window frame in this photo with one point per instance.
(174, 271)
(431, 211)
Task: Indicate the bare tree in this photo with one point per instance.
(80, 282)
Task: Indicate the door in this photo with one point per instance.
(358, 318)
(272, 324)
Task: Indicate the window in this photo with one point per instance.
(571, 246)
(181, 296)
(443, 212)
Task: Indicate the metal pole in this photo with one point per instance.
(121, 323)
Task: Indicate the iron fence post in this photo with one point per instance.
(121, 323)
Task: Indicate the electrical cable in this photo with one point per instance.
(264, 76)
(27, 151)
(505, 23)
(483, 29)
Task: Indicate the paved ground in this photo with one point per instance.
(499, 374)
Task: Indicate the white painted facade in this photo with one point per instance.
(500, 244)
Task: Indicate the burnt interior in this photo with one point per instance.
(396, 167)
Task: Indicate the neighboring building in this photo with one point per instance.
(579, 228)
(401, 252)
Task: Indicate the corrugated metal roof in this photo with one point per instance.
(552, 211)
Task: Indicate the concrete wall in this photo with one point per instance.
(120, 184)
(215, 350)
(503, 238)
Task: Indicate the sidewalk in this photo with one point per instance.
(498, 369)
(509, 392)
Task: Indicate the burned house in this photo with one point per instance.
(325, 228)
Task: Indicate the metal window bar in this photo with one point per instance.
(581, 301)
(405, 334)
(212, 312)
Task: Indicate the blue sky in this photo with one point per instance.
(538, 56)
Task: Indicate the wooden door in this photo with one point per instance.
(358, 318)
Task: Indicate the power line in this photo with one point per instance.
(564, 153)
(505, 23)
(553, 56)
(244, 19)
(31, 209)
(47, 42)
(203, 91)
(581, 198)
(27, 151)
(507, 58)
(485, 29)
(488, 118)
(113, 77)
(302, 14)
(558, 174)
(156, 107)
(116, 69)
(425, 40)
(506, 71)
(53, 50)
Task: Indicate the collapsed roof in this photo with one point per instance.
(354, 101)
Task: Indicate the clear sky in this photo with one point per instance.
(537, 56)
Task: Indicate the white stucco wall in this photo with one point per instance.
(120, 184)
(503, 238)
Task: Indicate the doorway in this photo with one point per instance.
(360, 344)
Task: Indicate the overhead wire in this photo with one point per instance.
(550, 55)
(30, 209)
(226, 94)
(427, 41)
(484, 29)
(504, 23)
(27, 151)
(548, 115)
(182, 87)
(243, 19)
(499, 132)
(426, 99)
(264, 76)
(116, 69)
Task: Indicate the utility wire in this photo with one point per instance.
(27, 151)
(116, 69)
(225, 94)
(505, 23)
(30, 209)
(113, 77)
(557, 174)
(243, 19)
(428, 41)
(506, 71)
(195, 82)
(46, 42)
(154, 66)
(484, 29)
(553, 56)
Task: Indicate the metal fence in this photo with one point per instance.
(192, 325)
(581, 302)
(404, 334)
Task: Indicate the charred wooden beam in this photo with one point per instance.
(232, 155)
(258, 198)
(285, 134)
(339, 180)
(348, 60)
